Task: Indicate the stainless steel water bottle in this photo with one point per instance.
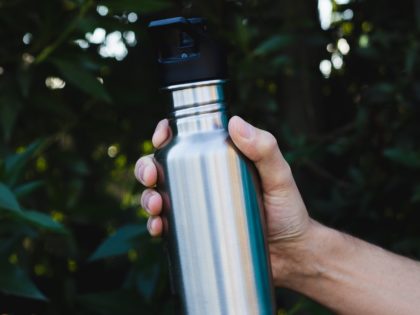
(212, 210)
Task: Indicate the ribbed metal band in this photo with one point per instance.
(197, 94)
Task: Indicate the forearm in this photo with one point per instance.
(348, 275)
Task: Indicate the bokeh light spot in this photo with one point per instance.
(54, 83)
(132, 17)
(40, 270)
(13, 259)
(72, 265)
(147, 147)
(130, 38)
(41, 164)
(113, 46)
(347, 28)
(28, 59)
(121, 161)
(343, 46)
(112, 151)
(337, 60)
(366, 27)
(132, 255)
(27, 38)
(97, 37)
(325, 8)
(342, 2)
(82, 43)
(57, 216)
(102, 10)
(364, 41)
(325, 68)
(347, 14)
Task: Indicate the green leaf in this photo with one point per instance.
(15, 163)
(280, 61)
(27, 188)
(409, 158)
(9, 109)
(141, 6)
(15, 281)
(41, 220)
(273, 44)
(8, 200)
(144, 277)
(82, 79)
(119, 243)
(147, 281)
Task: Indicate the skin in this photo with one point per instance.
(345, 274)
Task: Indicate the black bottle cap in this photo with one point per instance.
(186, 52)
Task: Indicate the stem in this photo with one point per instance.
(51, 48)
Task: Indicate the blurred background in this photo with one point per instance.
(336, 81)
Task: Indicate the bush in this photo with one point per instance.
(79, 102)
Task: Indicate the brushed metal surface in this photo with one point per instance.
(212, 212)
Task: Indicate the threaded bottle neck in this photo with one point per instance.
(198, 107)
(196, 94)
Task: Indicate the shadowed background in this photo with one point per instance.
(336, 81)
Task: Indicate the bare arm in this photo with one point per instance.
(348, 275)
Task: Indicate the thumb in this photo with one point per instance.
(261, 147)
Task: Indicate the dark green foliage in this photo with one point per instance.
(69, 151)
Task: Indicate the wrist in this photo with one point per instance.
(295, 260)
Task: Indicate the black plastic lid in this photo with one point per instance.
(186, 52)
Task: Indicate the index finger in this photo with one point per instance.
(161, 133)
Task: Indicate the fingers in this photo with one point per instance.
(261, 147)
(151, 201)
(145, 171)
(161, 133)
(155, 226)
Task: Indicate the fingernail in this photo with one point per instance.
(245, 129)
(155, 138)
(149, 224)
(146, 170)
(140, 171)
(144, 201)
(160, 125)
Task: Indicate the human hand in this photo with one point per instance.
(285, 212)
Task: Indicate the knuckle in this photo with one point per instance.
(287, 170)
(149, 224)
(143, 198)
(286, 175)
(147, 158)
(141, 162)
(270, 142)
(138, 163)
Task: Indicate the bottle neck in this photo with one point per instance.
(197, 107)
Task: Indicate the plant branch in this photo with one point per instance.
(51, 48)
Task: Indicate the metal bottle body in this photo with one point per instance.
(212, 211)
